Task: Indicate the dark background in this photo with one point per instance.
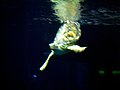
(24, 48)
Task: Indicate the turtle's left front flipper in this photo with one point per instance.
(76, 48)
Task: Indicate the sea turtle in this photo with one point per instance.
(65, 40)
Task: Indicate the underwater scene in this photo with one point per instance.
(60, 44)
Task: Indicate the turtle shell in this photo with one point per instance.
(67, 35)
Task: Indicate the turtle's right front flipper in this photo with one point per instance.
(46, 62)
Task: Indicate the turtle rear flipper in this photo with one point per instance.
(76, 48)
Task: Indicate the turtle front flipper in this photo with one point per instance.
(46, 62)
(76, 48)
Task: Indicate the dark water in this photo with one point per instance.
(29, 26)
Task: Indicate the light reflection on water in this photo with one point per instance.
(99, 16)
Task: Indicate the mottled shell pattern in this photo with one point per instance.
(67, 35)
